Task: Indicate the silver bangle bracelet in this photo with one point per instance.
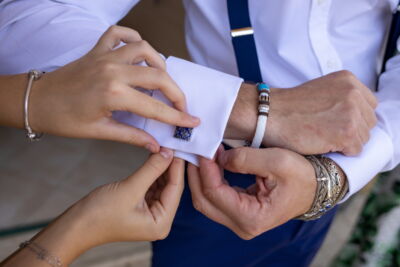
(33, 75)
(331, 187)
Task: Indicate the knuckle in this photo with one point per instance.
(182, 117)
(156, 165)
(352, 96)
(158, 109)
(197, 204)
(162, 76)
(346, 74)
(135, 33)
(209, 193)
(107, 68)
(285, 161)
(143, 45)
(133, 140)
(349, 106)
(153, 232)
(351, 129)
(163, 231)
(238, 159)
(250, 231)
(111, 88)
(114, 29)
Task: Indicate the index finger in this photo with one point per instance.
(150, 171)
(113, 37)
(172, 192)
(148, 107)
(248, 160)
(155, 79)
(137, 52)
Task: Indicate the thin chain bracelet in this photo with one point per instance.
(41, 253)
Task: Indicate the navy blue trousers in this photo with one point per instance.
(195, 240)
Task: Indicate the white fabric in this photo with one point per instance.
(205, 138)
(296, 41)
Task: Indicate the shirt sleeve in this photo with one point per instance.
(46, 35)
(382, 152)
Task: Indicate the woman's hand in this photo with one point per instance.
(139, 207)
(78, 99)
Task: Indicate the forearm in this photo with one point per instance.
(12, 90)
(64, 239)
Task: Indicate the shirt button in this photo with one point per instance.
(331, 64)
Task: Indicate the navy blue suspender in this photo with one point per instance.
(243, 40)
(394, 34)
(245, 46)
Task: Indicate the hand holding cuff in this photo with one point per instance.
(210, 96)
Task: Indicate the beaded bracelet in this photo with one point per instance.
(263, 113)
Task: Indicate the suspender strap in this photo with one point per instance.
(243, 40)
(394, 34)
(245, 46)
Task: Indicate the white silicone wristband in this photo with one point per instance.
(260, 131)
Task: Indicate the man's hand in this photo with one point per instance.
(333, 113)
(285, 188)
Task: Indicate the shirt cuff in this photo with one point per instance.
(210, 96)
(361, 169)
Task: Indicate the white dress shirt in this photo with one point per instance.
(296, 41)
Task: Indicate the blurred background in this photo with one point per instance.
(39, 180)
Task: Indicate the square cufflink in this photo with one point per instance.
(183, 133)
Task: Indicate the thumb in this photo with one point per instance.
(248, 160)
(150, 171)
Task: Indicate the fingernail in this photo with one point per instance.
(166, 153)
(151, 147)
(195, 119)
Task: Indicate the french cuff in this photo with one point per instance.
(210, 96)
(361, 169)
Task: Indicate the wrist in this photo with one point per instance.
(243, 119)
(12, 90)
(68, 236)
